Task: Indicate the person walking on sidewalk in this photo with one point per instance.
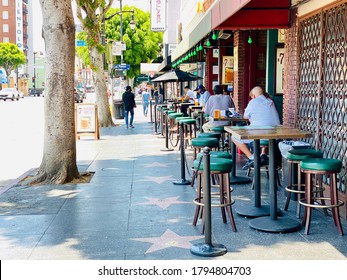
(129, 105)
(145, 101)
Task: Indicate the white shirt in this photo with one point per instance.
(191, 95)
(262, 111)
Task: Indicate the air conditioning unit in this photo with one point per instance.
(223, 34)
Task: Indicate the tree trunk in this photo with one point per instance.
(104, 113)
(58, 165)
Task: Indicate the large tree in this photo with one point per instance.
(58, 165)
(91, 14)
(10, 57)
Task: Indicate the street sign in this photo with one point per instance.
(121, 66)
(118, 47)
(80, 43)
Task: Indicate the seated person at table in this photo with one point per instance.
(203, 93)
(189, 97)
(219, 101)
(261, 111)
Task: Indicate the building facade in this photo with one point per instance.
(295, 50)
(14, 29)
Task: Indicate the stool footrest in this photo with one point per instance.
(339, 203)
(197, 202)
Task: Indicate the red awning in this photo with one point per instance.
(251, 14)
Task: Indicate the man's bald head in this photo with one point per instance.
(257, 91)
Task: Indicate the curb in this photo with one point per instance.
(15, 182)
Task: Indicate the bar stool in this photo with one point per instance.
(201, 142)
(329, 168)
(189, 128)
(221, 130)
(209, 134)
(213, 154)
(294, 157)
(220, 167)
(174, 127)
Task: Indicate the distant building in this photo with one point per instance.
(14, 29)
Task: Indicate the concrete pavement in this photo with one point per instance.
(130, 210)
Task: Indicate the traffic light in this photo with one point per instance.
(33, 79)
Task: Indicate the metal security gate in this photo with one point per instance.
(322, 82)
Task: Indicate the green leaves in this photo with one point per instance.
(10, 57)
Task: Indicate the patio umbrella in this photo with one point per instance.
(177, 76)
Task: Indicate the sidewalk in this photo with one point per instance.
(131, 211)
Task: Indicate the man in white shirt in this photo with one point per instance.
(261, 111)
(189, 95)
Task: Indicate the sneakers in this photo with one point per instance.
(263, 160)
(250, 163)
(132, 126)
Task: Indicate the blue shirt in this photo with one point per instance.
(204, 96)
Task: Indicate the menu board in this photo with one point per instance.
(228, 70)
(86, 119)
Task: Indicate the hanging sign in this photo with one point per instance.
(158, 15)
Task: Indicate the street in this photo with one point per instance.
(21, 141)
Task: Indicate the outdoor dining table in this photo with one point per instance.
(271, 223)
(234, 179)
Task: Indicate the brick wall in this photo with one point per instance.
(239, 43)
(290, 72)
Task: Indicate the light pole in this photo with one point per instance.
(34, 77)
(120, 13)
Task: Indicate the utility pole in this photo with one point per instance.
(121, 29)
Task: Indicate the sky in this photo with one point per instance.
(37, 16)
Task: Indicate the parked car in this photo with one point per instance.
(21, 94)
(78, 96)
(9, 93)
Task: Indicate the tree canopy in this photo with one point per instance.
(142, 45)
(10, 57)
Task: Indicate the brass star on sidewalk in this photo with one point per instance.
(162, 202)
(167, 240)
(155, 164)
(157, 179)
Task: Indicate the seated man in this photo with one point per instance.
(189, 97)
(260, 111)
(203, 94)
(217, 102)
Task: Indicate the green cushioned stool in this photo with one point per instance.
(189, 125)
(323, 164)
(174, 115)
(294, 157)
(328, 168)
(220, 169)
(199, 143)
(264, 142)
(182, 118)
(209, 134)
(216, 154)
(218, 128)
